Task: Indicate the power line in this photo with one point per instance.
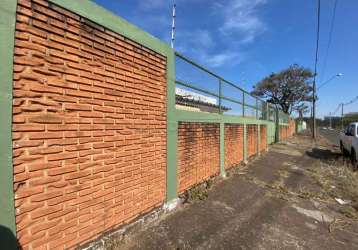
(329, 38)
(337, 109)
(317, 37)
(320, 86)
(351, 101)
(345, 104)
(355, 99)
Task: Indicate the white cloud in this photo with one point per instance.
(229, 58)
(200, 45)
(241, 19)
(237, 23)
(204, 38)
(149, 5)
(194, 39)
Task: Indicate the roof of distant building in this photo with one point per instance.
(181, 100)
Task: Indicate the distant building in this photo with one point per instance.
(332, 121)
(191, 101)
(351, 114)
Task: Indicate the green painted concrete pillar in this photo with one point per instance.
(270, 133)
(245, 144)
(258, 139)
(277, 125)
(7, 36)
(172, 171)
(172, 132)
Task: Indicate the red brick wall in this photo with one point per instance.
(89, 128)
(283, 132)
(291, 128)
(263, 137)
(288, 131)
(252, 141)
(198, 153)
(234, 144)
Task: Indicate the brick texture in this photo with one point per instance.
(89, 128)
(291, 128)
(283, 132)
(263, 137)
(252, 140)
(234, 144)
(198, 153)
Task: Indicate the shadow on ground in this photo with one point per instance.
(324, 154)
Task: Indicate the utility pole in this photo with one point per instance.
(314, 110)
(330, 119)
(315, 73)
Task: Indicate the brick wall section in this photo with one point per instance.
(252, 140)
(89, 128)
(263, 137)
(283, 132)
(198, 153)
(234, 144)
(291, 128)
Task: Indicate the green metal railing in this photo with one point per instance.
(262, 109)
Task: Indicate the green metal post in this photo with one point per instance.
(220, 95)
(222, 149)
(243, 104)
(7, 34)
(267, 116)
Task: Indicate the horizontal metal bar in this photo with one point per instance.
(238, 102)
(188, 85)
(231, 100)
(210, 73)
(250, 106)
(222, 80)
(214, 75)
(197, 65)
(235, 86)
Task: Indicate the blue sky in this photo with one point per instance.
(245, 40)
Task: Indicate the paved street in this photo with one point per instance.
(273, 203)
(330, 135)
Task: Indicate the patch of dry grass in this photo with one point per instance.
(198, 192)
(337, 180)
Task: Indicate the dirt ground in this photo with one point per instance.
(282, 200)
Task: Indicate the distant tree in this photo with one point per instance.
(302, 109)
(290, 88)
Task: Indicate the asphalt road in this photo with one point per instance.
(331, 135)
